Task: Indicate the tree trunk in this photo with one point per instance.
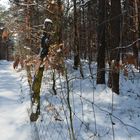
(114, 52)
(136, 21)
(139, 34)
(60, 23)
(36, 94)
(101, 43)
(76, 44)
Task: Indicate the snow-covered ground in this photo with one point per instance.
(95, 114)
(14, 120)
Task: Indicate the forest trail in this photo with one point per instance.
(14, 123)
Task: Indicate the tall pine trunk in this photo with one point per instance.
(139, 34)
(115, 38)
(76, 44)
(136, 21)
(59, 22)
(101, 43)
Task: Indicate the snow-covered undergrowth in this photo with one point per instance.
(82, 110)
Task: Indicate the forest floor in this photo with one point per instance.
(14, 120)
(97, 112)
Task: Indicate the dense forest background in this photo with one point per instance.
(101, 32)
(93, 30)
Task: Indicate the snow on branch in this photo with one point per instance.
(128, 46)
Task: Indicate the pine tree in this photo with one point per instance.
(101, 42)
(115, 43)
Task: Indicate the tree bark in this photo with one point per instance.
(76, 44)
(36, 86)
(101, 43)
(60, 23)
(114, 52)
(136, 21)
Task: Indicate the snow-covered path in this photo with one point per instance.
(14, 124)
